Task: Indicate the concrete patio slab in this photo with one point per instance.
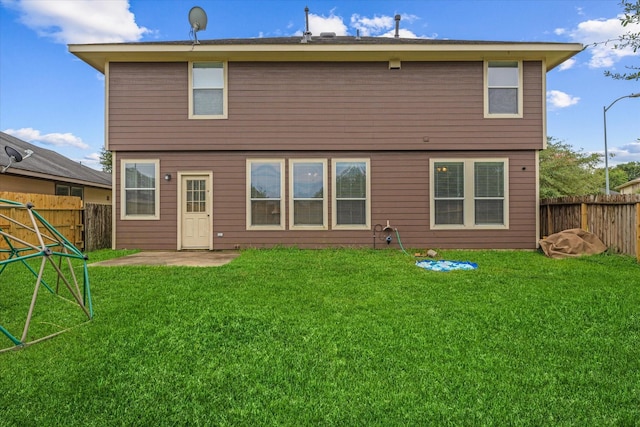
(171, 258)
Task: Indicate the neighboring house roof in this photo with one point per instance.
(47, 164)
(631, 183)
(325, 48)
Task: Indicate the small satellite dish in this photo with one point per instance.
(15, 156)
(198, 21)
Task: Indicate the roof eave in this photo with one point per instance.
(98, 56)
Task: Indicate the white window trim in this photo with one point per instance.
(225, 93)
(248, 195)
(488, 115)
(469, 197)
(334, 208)
(325, 214)
(123, 193)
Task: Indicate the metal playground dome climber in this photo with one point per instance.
(50, 261)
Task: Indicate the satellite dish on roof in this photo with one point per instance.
(198, 21)
(15, 156)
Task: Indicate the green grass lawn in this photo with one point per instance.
(334, 337)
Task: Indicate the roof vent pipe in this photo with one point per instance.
(306, 37)
(397, 26)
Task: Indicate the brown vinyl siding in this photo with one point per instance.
(399, 194)
(336, 106)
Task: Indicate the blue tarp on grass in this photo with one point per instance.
(446, 265)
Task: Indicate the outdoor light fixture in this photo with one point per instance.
(167, 177)
(606, 151)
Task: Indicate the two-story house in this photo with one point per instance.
(322, 142)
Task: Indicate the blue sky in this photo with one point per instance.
(51, 99)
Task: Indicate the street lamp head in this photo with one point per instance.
(635, 95)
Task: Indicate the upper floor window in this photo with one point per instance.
(208, 94)
(308, 187)
(351, 194)
(503, 89)
(469, 193)
(140, 195)
(265, 204)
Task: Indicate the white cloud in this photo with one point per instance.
(327, 24)
(80, 21)
(378, 26)
(372, 26)
(559, 31)
(624, 154)
(55, 139)
(92, 160)
(402, 33)
(382, 26)
(569, 63)
(601, 35)
(93, 157)
(557, 99)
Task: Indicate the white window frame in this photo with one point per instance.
(225, 92)
(334, 201)
(469, 195)
(123, 189)
(292, 199)
(487, 114)
(281, 226)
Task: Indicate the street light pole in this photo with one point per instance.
(606, 151)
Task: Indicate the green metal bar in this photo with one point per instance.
(49, 227)
(13, 339)
(11, 202)
(87, 291)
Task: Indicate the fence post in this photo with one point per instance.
(583, 217)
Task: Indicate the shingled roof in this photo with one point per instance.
(47, 164)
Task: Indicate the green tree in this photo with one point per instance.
(106, 160)
(567, 172)
(631, 15)
(631, 170)
(617, 177)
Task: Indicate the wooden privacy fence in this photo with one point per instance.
(615, 219)
(88, 227)
(97, 226)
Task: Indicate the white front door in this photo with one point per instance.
(195, 210)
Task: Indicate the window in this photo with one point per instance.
(208, 95)
(265, 190)
(140, 198)
(503, 96)
(196, 196)
(69, 190)
(351, 194)
(470, 193)
(308, 205)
